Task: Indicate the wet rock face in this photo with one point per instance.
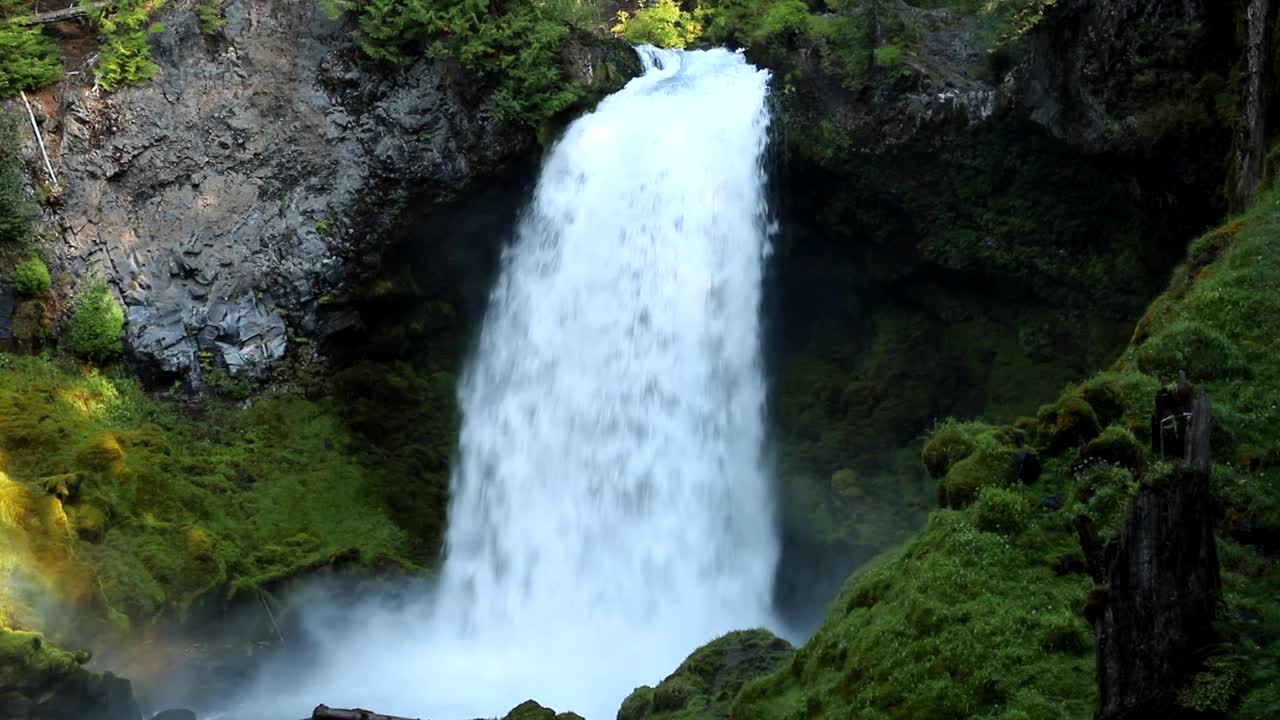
(1100, 73)
(225, 198)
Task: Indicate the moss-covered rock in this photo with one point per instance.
(41, 682)
(1116, 446)
(706, 683)
(1068, 423)
(1193, 349)
(958, 620)
(124, 508)
(530, 710)
(964, 622)
(991, 460)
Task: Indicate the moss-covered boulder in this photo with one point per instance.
(706, 683)
(530, 710)
(1068, 423)
(41, 682)
(959, 620)
(965, 457)
(1193, 349)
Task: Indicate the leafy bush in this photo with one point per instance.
(29, 60)
(661, 23)
(31, 278)
(97, 324)
(516, 46)
(1016, 18)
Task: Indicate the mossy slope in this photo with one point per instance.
(127, 508)
(973, 619)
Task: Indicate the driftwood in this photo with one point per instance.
(72, 13)
(324, 712)
(1162, 577)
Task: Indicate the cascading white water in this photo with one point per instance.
(610, 508)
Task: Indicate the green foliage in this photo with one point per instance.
(1103, 493)
(125, 56)
(209, 15)
(1016, 18)
(888, 56)
(661, 23)
(1192, 347)
(96, 329)
(29, 59)
(967, 623)
(31, 278)
(15, 210)
(959, 623)
(704, 685)
(172, 502)
(514, 45)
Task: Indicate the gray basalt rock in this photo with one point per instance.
(258, 172)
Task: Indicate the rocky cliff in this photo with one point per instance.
(233, 199)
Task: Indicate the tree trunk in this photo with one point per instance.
(1163, 580)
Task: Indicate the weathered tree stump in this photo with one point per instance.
(1162, 577)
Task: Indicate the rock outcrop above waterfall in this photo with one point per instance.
(236, 198)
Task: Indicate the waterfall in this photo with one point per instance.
(610, 508)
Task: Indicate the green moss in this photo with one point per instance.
(958, 622)
(1122, 397)
(1103, 493)
(1116, 446)
(28, 662)
(949, 443)
(169, 506)
(967, 623)
(1000, 510)
(705, 684)
(31, 278)
(1068, 423)
(991, 463)
(638, 705)
(1193, 348)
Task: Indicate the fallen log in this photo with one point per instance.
(56, 16)
(324, 712)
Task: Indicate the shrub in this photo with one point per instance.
(210, 17)
(31, 278)
(661, 23)
(97, 324)
(29, 60)
(518, 48)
